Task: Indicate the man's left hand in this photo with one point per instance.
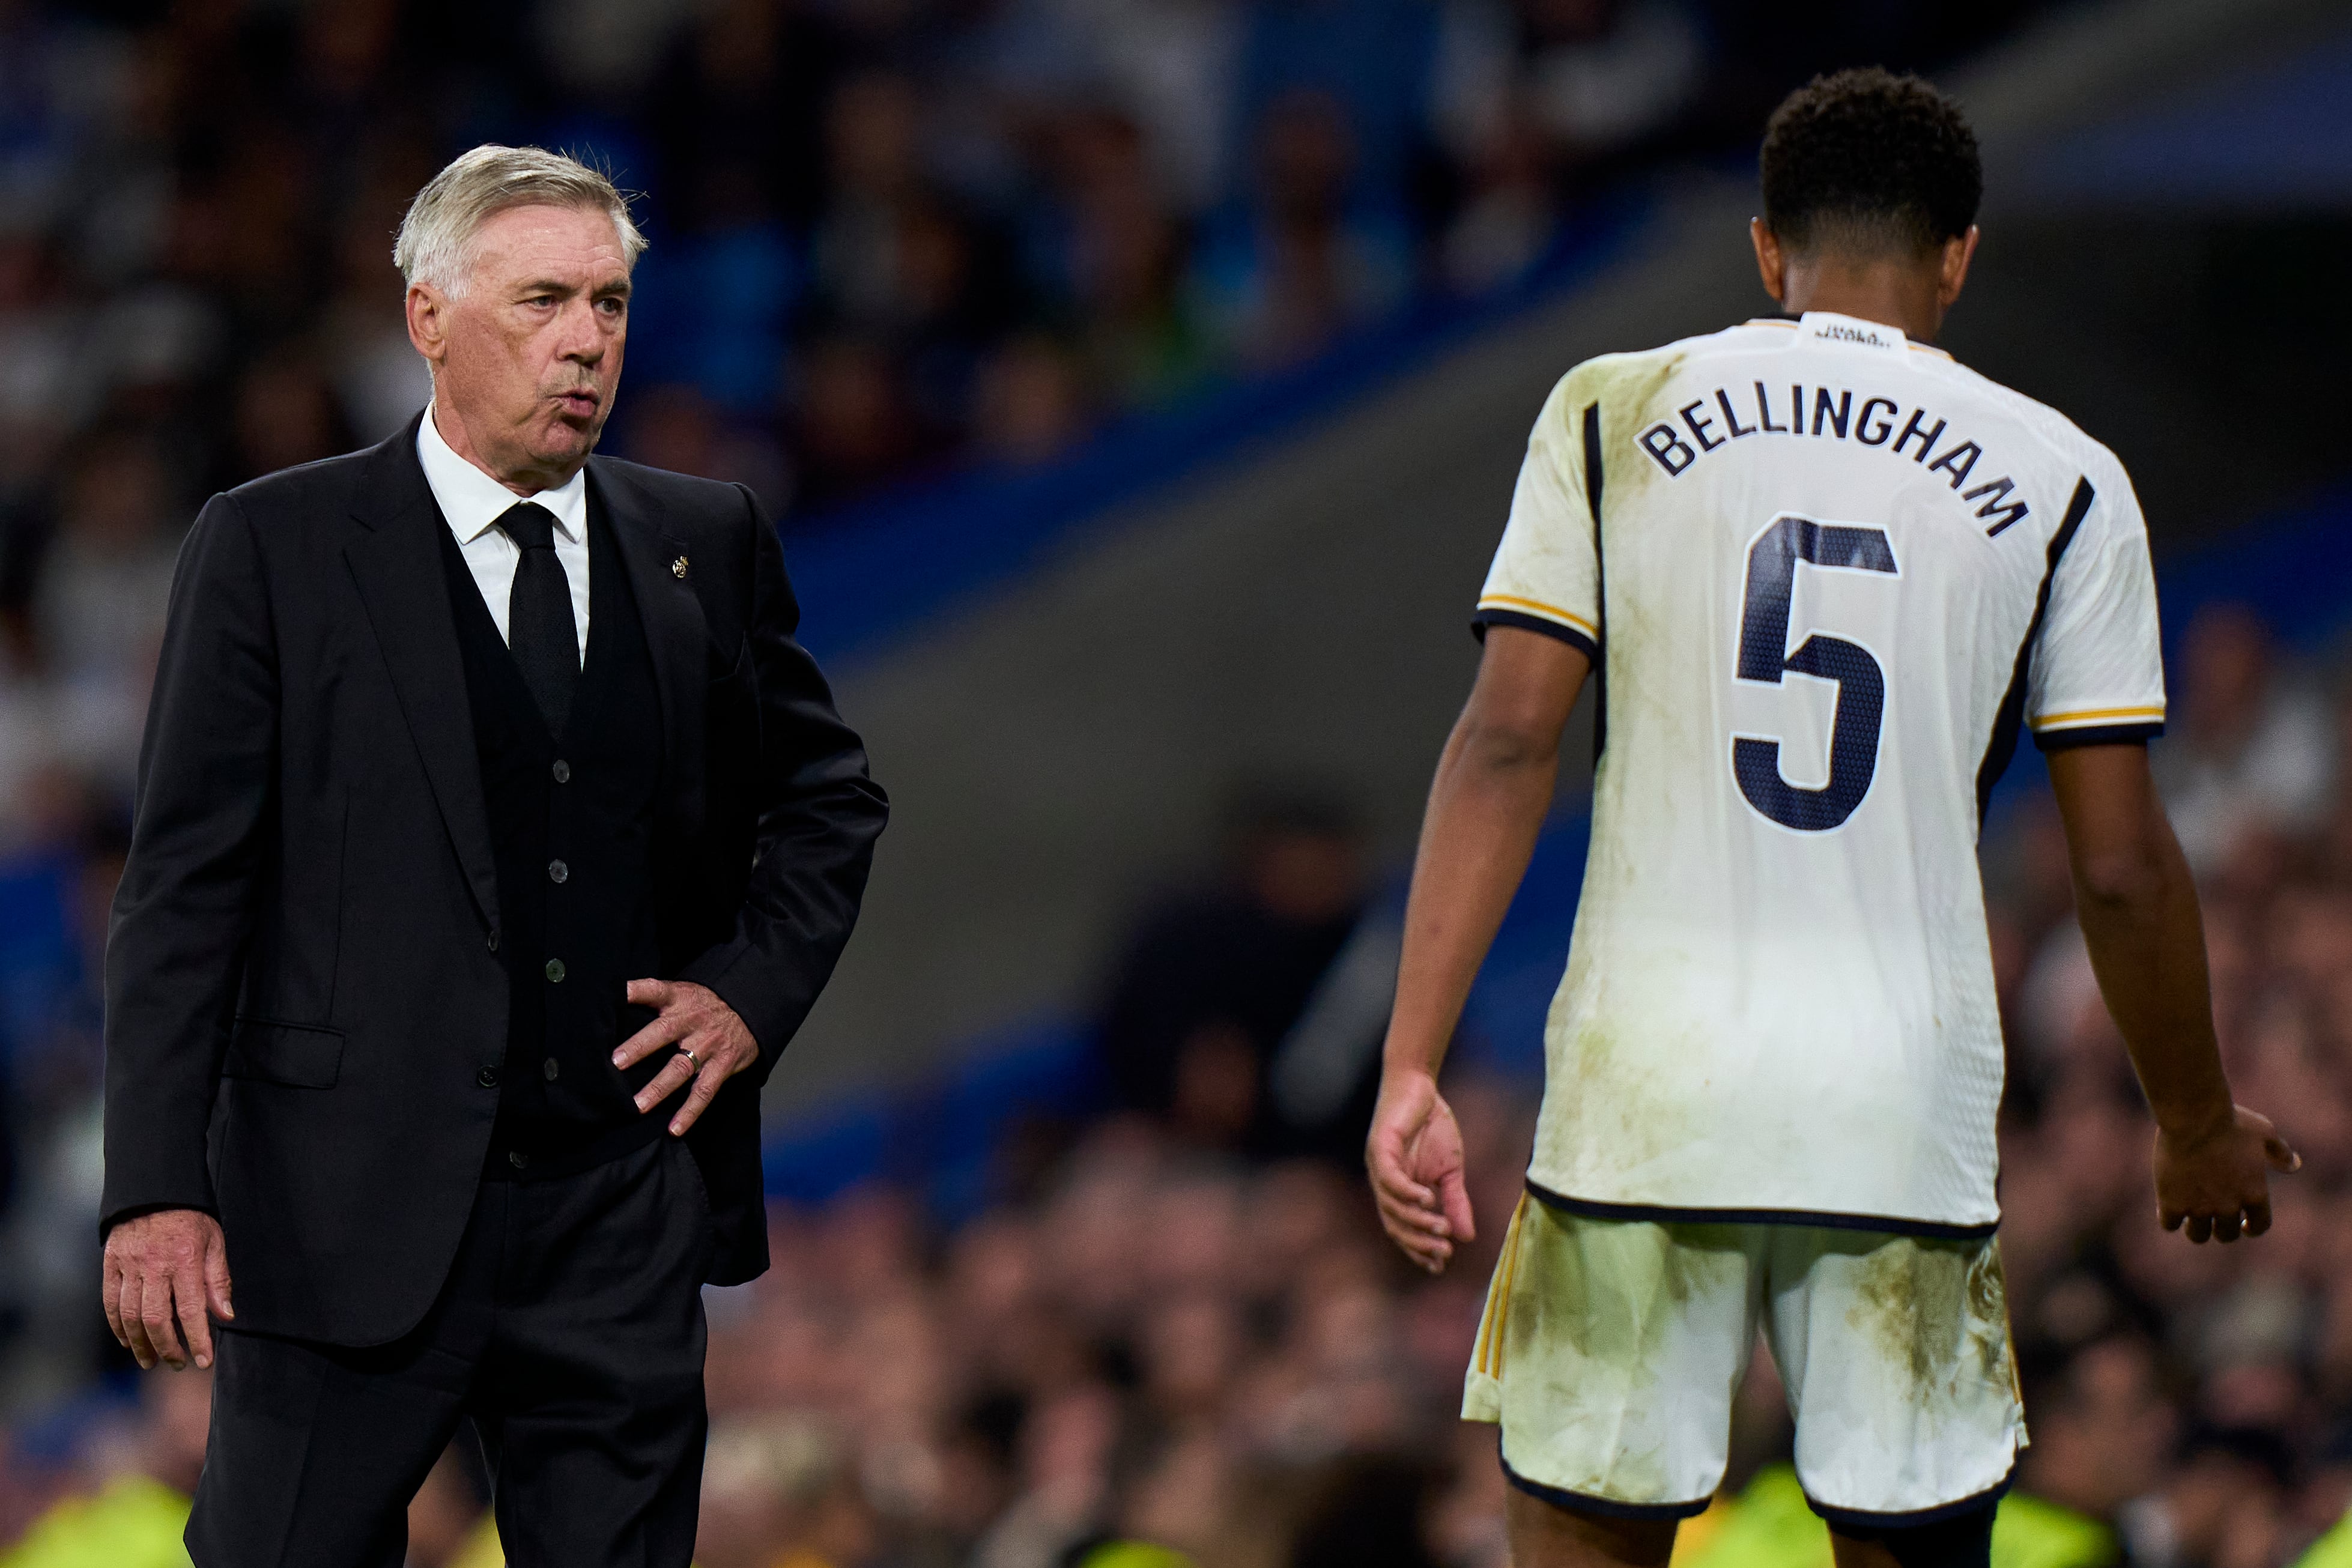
(714, 1045)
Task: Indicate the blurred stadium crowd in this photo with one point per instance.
(891, 237)
(896, 236)
(1176, 1323)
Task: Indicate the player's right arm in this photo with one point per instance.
(2138, 906)
(1493, 790)
(1539, 613)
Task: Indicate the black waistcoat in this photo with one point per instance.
(572, 821)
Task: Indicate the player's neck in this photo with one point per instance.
(1896, 294)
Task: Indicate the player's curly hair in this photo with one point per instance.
(1871, 164)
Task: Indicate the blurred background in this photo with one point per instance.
(1138, 386)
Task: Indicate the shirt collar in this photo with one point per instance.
(472, 502)
(1851, 332)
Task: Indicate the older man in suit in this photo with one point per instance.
(493, 836)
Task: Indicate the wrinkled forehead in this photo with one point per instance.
(575, 245)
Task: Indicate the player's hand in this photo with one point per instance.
(713, 1044)
(2216, 1180)
(162, 1271)
(1415, 1156)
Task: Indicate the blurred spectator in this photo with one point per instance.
(743, 91)
(1598, 77)
(1363, 63)
(449, 1525)
(1170, 64)
(135, 1517)
(1314, 254)
(674, 427)
(1214, 980)
(1033, 406)
(362, 341)
(1110, 250)
(286, 414)
(98, 616)
(1509, 213)
(855, 427)
(2252, 746)
(779, 1493)
(53, 925)
(45, 388)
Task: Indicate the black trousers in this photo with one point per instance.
(569, 1329)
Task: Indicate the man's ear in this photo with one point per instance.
(428, 322)
(1958, 254)
(1772, 265)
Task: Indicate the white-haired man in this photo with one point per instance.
(494, 835)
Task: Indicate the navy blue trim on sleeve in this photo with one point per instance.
(2001, 745)
(1568, 634)
(2097, 734)
(1592, 488)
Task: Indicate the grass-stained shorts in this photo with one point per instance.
(1611, 1349)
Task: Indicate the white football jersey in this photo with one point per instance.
(1825, 574)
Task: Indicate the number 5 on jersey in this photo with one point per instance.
(1764, 658)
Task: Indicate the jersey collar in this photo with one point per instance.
(1838, 331)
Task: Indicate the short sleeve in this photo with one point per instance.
(1547, 573)
(2098, 670)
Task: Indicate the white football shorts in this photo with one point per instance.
(1611, 1350)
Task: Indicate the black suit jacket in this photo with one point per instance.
(301, 978)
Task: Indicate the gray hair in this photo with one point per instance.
(436, 244)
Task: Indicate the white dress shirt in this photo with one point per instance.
(472, 503)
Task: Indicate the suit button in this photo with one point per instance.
(555, 970)
(494, 941)
(557, 871)
(562, 771)
(548, 1069)
(518, 1159)
(488, 1078)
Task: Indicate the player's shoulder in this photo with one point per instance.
(1615, 379)
(2067, 442)
(1612, 380)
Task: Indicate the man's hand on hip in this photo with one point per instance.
(713, 1045)
(163, 1269)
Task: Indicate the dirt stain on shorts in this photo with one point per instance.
(1936, 1311)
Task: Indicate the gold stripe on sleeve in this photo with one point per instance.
(1549, 611)
(2098, 716)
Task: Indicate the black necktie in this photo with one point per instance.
(539, 627)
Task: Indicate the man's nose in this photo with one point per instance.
(583, 338)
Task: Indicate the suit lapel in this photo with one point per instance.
(676, 635)
(397, 565)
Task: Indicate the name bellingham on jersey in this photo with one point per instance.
(1833, 415)
(1828, 575)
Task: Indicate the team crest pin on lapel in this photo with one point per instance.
(678, 567)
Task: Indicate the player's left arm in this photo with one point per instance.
(1492, 792)
(2095, 700)
(2137, 904)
